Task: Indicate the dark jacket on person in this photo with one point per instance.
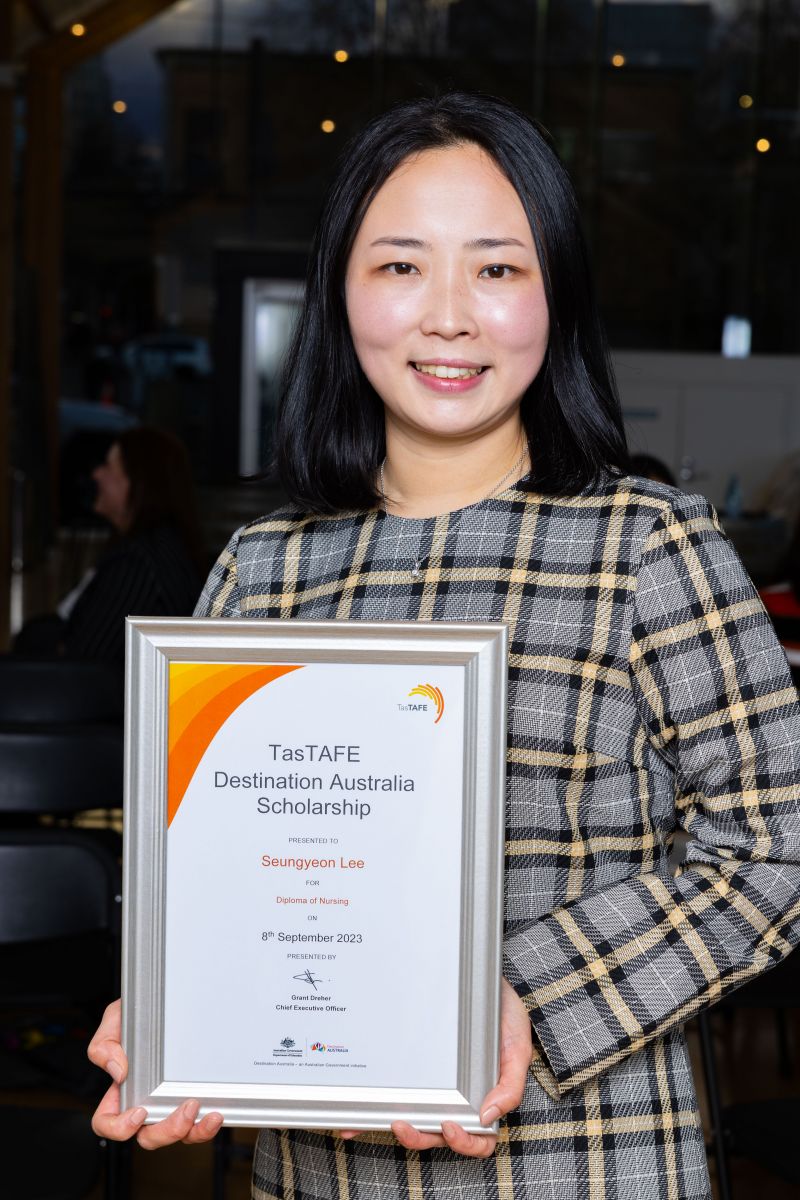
(146, 574)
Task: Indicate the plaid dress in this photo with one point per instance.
(647, 692)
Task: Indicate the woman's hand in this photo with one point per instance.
(106, 1051)
(516, 1048)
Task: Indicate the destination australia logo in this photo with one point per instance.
(327, 1048)
(431, 698)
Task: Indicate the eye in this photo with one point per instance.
(400, 268)
(497, 271)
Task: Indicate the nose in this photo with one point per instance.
(449, 308)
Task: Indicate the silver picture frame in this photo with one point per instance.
(153, 644)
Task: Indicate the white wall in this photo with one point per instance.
(710, 417)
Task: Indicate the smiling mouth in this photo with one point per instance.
(439, 371)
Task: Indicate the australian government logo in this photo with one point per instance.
(430, 699)
(287, 1049)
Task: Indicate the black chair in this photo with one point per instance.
(59, 692)
(63, 1160)
(60, 898)
(60, 770)
(765, 1130)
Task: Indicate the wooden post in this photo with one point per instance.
(42, 216)
(6, 284)
(47, 65)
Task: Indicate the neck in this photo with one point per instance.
(423, 481)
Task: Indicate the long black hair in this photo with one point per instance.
(330, 433)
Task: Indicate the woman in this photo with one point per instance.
(453, 445)
(154, 563)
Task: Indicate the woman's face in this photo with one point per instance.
(445, 297)
(113, 489)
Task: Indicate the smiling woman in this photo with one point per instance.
(453, 448)
(450, 241)
(450, 338)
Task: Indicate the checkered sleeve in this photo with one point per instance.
(605, 974)
(220, 596)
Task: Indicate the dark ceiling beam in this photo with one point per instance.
(104, 25)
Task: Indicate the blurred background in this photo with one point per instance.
(162, 166)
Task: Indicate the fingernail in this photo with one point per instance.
(115, 1070)
(191, 1108)
(449, 1129)
(491, 1114)
(214, 1121)
(137, 1115)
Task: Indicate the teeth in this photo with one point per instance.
(447, 372)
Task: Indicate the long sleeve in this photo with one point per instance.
(605, 974)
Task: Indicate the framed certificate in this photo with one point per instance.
(314, 825)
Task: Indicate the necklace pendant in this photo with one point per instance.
(415, 570)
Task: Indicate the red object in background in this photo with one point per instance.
(780, 601)
(784, 608)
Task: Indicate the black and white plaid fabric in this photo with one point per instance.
(647, 692)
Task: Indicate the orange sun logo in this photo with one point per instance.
(432, 693)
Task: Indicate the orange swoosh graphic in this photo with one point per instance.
(432, 693)
(201, 698)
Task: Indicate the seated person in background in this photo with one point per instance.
(154, 564)
(647, 466)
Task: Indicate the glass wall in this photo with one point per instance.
(218, 125)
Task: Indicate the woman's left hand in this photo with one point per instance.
(516, 1049)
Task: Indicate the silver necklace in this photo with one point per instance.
(419, 563)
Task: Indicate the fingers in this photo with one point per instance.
(109, 1122)
(205, 1129)
(104, 1049)
(415, 1139)
(508, 1093)
(472, 1145)
(515, 1057)
(180, 1126)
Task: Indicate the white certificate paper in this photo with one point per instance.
(313, 873)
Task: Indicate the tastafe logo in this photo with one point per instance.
(431, 693)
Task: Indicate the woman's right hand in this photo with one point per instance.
(105, 1050)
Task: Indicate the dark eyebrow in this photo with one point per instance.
(493, 243)
(408, 243)
(404, 243)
